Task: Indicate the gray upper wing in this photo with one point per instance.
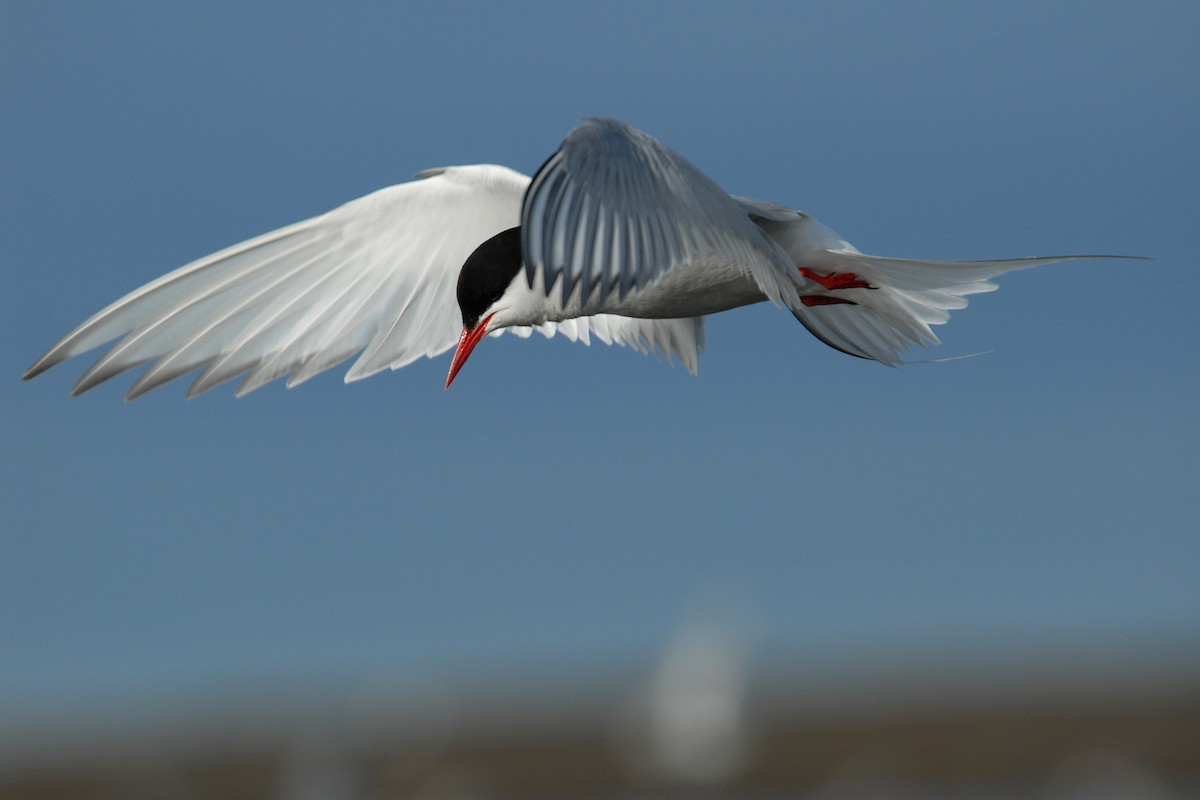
(614, 210)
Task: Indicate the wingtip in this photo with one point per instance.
(48, 360)
(93, 377)
(138, 389)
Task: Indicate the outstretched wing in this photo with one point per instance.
(613, 210)
(375, 276)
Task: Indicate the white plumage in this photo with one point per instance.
(622, 240)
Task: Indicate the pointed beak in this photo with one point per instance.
(466, 343)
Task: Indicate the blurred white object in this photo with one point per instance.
(691, 724)
(317, 767)
(1106, 775)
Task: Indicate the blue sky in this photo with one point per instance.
(565, 505)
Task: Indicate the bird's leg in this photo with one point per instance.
(836, 280)
(824, 300)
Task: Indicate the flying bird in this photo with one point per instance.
(616, 237)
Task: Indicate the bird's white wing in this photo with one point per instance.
(376, 275)
(672, 338)
(614, 210)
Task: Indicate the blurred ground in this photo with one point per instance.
(703, 722)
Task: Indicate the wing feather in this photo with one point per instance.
(613, 210)
(681, 339)
(375, 276)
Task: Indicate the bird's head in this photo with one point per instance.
(482, 285)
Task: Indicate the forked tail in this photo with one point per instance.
(877, 308)
(870, 306)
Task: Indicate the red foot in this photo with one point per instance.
(825, 300)
(836, 280)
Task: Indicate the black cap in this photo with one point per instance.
(487, 273)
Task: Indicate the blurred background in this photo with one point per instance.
(582, 573)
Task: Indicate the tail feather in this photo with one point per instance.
(905, 297)
(902, 297)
